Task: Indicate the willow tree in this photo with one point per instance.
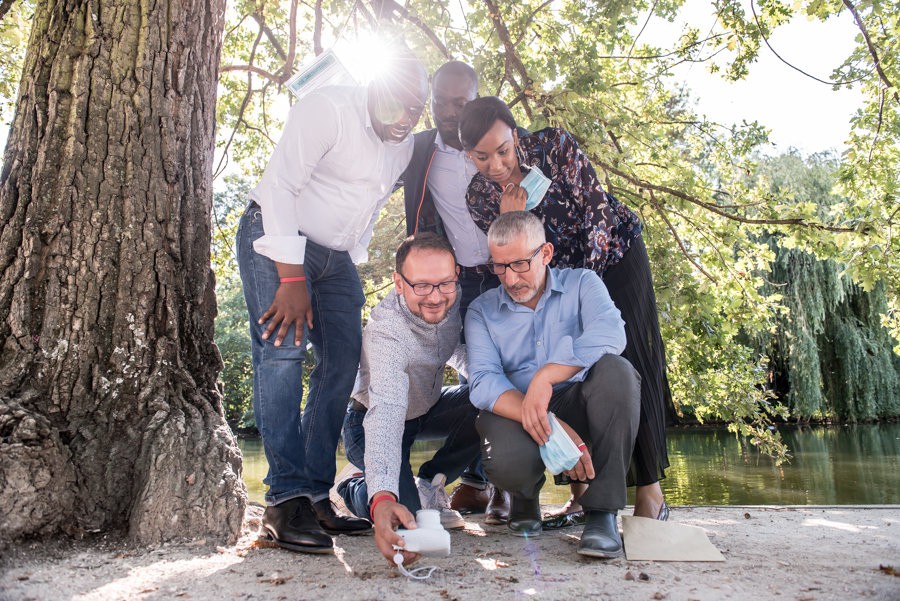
(830, 353)
(109, 413)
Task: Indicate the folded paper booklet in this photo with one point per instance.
(325, 70)
(651, 540)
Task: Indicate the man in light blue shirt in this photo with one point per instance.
(549, 340)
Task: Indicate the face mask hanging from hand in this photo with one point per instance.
(559, 452)
(536, 185)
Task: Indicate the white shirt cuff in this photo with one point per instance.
(282, 249)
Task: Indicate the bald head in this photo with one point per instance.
(397, 96)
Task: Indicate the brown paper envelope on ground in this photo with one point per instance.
(649, 539)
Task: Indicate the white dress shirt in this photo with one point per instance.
(328, 178)
(449, 177)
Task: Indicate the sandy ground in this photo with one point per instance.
(795, 553)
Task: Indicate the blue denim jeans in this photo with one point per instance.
(451, 418)
(301, 449)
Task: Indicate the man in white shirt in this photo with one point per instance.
(309, 220)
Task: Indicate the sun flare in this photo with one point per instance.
(365, 57)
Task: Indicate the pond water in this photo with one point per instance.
(840, 465)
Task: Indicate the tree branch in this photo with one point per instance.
(252, 69)
(530, 19)
(317, 30)
(716, 209)
(292, 43)
(878, 129)
(792, 66)
(511, 57)
(223, 162)
(5, 5)
(270, 35)
(662, 213)
(872, 50)
(384, 8)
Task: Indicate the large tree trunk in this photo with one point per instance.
(109, 413)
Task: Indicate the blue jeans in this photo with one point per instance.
(301, 449)
(452, 418)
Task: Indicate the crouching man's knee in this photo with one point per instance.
(511, 458)
(616, 384)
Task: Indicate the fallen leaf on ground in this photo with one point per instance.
(276, 579)
(889, 570)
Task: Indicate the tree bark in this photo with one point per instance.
(109, 413)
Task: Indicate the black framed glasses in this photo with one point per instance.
(520, 266)
(424, 288)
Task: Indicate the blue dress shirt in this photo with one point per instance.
(574, 323)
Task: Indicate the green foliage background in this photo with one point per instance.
(778, 280)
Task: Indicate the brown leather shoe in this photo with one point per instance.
(468, 499)
(498, 507)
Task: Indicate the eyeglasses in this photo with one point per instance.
(520, 266)
(424, 288)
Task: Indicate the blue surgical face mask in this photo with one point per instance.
(536, 185)
(559, 453)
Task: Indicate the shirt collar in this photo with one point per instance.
(552, 284)
(439, 142)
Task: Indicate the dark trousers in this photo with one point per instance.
(604, 410)
(452, 418)
(472, 285)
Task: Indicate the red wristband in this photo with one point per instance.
(299, 278)
(378, 499)
(582, 447)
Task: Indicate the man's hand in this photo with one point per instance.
(388, 516)
(290, 307)
(534, 409)
(514, 198)
(584, 469)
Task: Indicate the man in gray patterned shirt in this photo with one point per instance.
(399, 396)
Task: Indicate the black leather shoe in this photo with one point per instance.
(563, 520)
(601, 536)
(497, 511)
(293, 525)
(333, 523)
(525, 516)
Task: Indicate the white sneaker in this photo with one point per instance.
(433, 496)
